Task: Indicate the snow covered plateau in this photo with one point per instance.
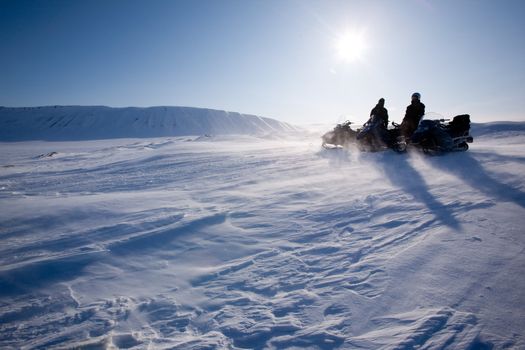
(63, 123)
(161, 229)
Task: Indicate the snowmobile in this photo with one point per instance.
(372, 137)
(375, 137)
(440, 135)
(341, 136)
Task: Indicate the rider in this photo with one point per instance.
(413, 115)
(381, 112)
(378, 136)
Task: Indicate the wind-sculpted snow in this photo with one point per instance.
(250, 243)
(98, 122)
(498, 129)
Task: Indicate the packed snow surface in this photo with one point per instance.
(246, 242)
(66, 123)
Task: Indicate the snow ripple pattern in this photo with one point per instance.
(227, 243)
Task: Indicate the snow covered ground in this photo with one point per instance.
(66, 123)
(242, 242)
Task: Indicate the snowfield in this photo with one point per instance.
(245, 242)
(66, 123)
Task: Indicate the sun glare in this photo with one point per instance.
(350, 46)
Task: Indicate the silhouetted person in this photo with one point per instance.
(413, 115)
(381, 112)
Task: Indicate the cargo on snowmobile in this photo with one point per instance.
(373, 136)
(439, 135)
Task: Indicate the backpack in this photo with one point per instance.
(460, 124)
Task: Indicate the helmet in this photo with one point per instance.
(416, 95)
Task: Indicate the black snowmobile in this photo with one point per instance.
(341, 136)
(372, 137)
(440, 135)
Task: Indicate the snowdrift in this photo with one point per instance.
(498, 129)
(68, 123)
(257, 243)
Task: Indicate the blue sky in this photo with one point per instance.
(273, 58)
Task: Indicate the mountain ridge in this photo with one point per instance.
(69, 123)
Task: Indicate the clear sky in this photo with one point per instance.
(299, 61)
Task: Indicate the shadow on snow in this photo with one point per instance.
(466, 167)
(398, 171)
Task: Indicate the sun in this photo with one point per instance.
(350, 46)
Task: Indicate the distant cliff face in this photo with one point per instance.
(99, 122)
